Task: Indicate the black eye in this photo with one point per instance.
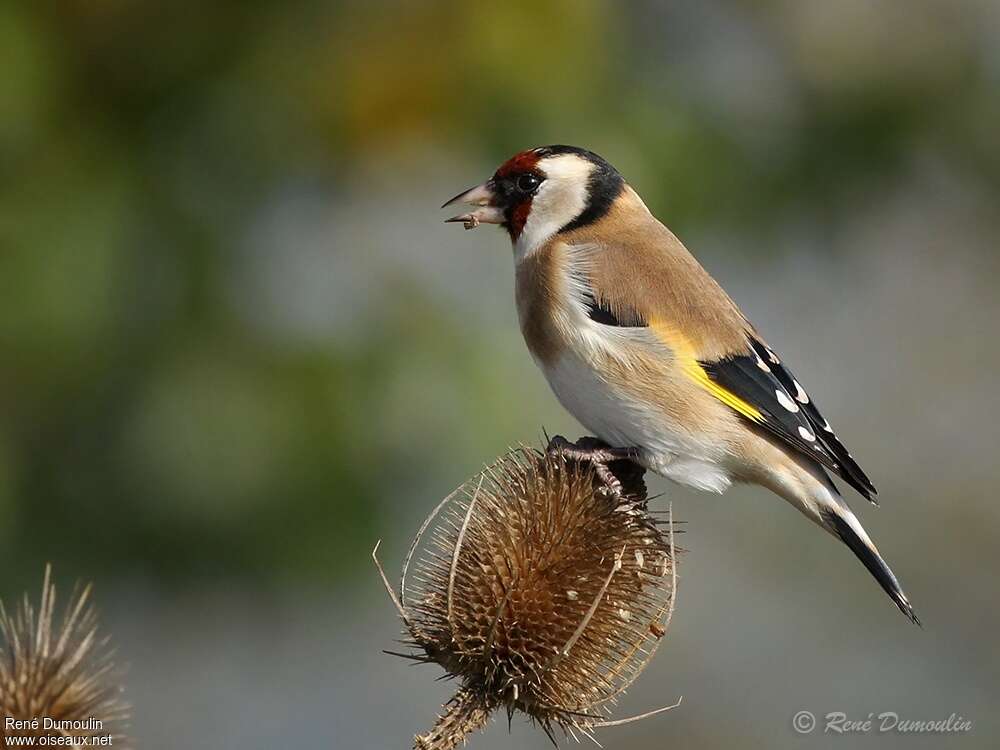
(528, 183)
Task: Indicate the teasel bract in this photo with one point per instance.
(540, 591)
(57, 674)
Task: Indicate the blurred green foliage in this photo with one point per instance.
(149, 426)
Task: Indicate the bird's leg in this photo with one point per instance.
(598, 454)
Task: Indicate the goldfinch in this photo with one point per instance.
(649, 353)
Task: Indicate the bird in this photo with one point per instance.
(649, 353)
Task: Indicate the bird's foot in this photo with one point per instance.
(599, 455)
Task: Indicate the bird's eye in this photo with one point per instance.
(528, 183)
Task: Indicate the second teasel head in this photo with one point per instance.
(59, 668)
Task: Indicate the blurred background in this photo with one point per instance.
(240, 346)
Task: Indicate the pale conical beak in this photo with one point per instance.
(486, 213)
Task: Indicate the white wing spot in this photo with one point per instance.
(786, 402)
(806, 435)
(826, 426)
(761, 363)
(800, 394)
(773, 357)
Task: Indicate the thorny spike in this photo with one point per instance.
(388, 586)
(416, 541)
(640, 717)
(454, 559)
(564, 651)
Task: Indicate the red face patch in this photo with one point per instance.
(518, 164)
(517, 211)
(518, 218)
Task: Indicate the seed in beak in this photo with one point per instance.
(469, 221)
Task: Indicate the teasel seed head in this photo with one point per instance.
(59, 669)
(540, 592)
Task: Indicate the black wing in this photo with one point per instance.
(787, 411)
(600, 312)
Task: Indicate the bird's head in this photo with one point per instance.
(541, 192)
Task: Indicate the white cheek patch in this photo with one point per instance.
(561, 197)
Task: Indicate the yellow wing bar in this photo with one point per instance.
(685, 353)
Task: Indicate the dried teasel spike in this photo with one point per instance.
(540, 592)
(388, 586)
(416, 541)
(464, 714)
(58, 678)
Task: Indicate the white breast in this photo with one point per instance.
(617, 415)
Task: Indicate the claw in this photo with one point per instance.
(599, 455)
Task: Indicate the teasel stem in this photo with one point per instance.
(464, 714)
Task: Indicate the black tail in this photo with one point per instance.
(872, 560)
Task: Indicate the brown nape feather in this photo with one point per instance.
(641, 271)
